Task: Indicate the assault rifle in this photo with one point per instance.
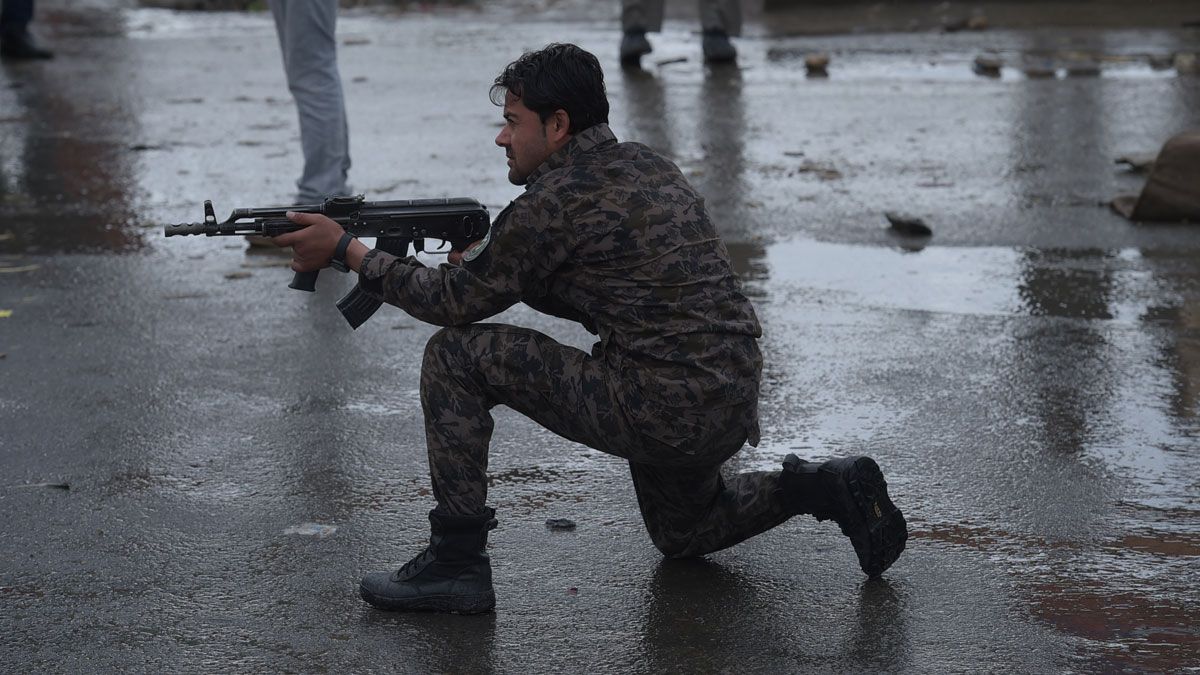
(394, 224)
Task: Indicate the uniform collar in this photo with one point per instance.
(579, 144)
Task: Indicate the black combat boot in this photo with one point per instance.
(851, 491)
(717, 47)
(633, 46)
(453, 574)
(18, 43)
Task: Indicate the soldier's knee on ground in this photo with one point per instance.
(673, 545)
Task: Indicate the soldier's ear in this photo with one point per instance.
(558, 128)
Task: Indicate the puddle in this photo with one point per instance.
(1112, 285)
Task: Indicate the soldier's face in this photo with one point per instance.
(524, 140)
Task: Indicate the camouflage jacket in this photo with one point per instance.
(610, 235)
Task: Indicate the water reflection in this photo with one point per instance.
(425, 642)
(705, 615)
(880, 641)
(67, 177)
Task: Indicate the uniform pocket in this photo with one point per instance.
(709, 435)
(513, 357)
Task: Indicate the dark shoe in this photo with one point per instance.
(21, 45)
(852, 492)
(633, 46)
(453, 574)
(717, 47)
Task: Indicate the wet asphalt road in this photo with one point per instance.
(1029, 377)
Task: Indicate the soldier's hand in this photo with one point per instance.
(313, 246)
(455, 257)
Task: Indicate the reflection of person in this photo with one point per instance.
(610, 235)
(16, 42)
(306, 30)
(718, 20)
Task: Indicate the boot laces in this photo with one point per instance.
(415, 565)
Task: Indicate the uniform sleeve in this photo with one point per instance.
(526, 243)
(548, 304)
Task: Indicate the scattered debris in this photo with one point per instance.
(975, 22)
(988, 65)
(573, 591)
(560, 524)
(823, 171)
(908, 225)
(311, 530)
(1161, 61)
(817, 65)
(18, 269)
(5, 313)
(1040, 70)
(1187, 64)
(1083, 68)
(52, 486)
(1140, 162)
(144, 147)
(667, 62)
(355, 42)
(238, 275)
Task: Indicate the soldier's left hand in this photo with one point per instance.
(313, 246)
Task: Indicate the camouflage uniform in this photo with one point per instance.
(610, 235)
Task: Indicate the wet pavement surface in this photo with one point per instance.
(198, 463)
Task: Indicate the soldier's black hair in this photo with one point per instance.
(557, 77)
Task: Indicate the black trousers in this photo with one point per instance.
(15, 15)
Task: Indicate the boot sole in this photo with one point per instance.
(874, 525)
(452, 604)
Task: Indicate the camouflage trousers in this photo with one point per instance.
(690, 508)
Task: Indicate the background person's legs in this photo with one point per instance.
(16, 42)
(637, 18)
(718, 20)
(642, 16)
(306, 30)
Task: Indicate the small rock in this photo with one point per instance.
(908, 225)
(1083, 69)
(988, 66)
(1040, 71)
(1187, 64)
(561, 524)
(817, 65)
(974, 22)
(1138, 162)
(1161, 61)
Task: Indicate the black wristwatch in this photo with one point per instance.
(338, 261)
